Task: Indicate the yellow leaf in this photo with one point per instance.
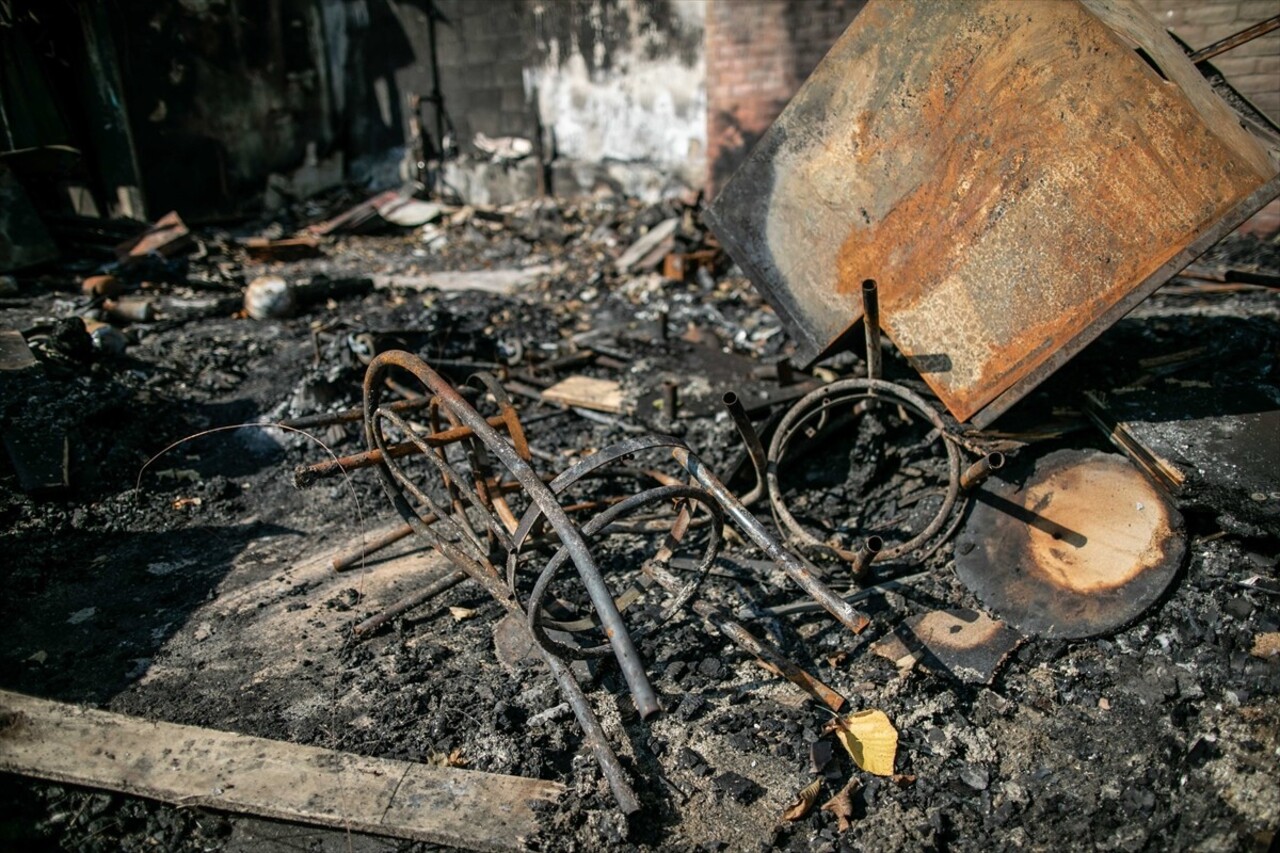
(461, 613)
(804, 801)
(870, 739)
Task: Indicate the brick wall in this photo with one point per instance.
(758, 52)
(1254, 68)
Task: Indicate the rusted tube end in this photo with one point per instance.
(871, 322)
(863, 557)
(305, 476)
(981, 470)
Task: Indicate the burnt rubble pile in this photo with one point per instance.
(921, 491)
(1140, 713)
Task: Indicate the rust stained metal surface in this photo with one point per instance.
(1079, 546)
(1014, 176)
(962, 643)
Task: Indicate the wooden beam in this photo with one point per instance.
(188, 765)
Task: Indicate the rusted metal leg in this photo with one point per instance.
(871, 322)
(612, 769)
(446, 582)
(750, 438)
(306, 475)
(670, 400)
(350, 416)
(1233, 41)
(770, 655)
(802, 574)
(349, 558)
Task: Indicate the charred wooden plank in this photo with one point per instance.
(188, 765)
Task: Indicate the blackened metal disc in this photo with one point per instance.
(1077, 546)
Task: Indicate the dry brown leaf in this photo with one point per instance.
(453, 759)
(1266, 645)
(841, 805)
(870, 739)
(461, 613)
(804, 801)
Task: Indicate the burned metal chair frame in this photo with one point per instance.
(450, 530)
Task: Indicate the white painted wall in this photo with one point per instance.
(641, 110)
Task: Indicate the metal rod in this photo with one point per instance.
(350, 557)
(750, 438)
(770, 655)
(804, 577)
(591, 731)
(670, 399)
(571, 538)
(349, 416)
(441, 584)
(1234, 41)
(871, 322)
(306, 475)
(981, 470)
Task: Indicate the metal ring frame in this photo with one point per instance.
(817, 405)
(473, 493)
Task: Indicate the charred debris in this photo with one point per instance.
(603, 523)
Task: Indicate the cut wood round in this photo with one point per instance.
(1079, 545)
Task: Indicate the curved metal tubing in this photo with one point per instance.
(571, 538)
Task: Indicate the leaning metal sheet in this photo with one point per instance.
(1015, 176)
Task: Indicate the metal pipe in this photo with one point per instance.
(591, 731)
(1234, 41)
(350, 557)
(862, 558)
(306, 475)
(624, 649)
(804, 577)
(441, 584)
(750, 438)
(770, 655)
(979, 471)
(349, 416)
(871, 322)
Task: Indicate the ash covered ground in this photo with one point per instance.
(198, 592)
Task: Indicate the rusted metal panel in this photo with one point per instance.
(1013, 175)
